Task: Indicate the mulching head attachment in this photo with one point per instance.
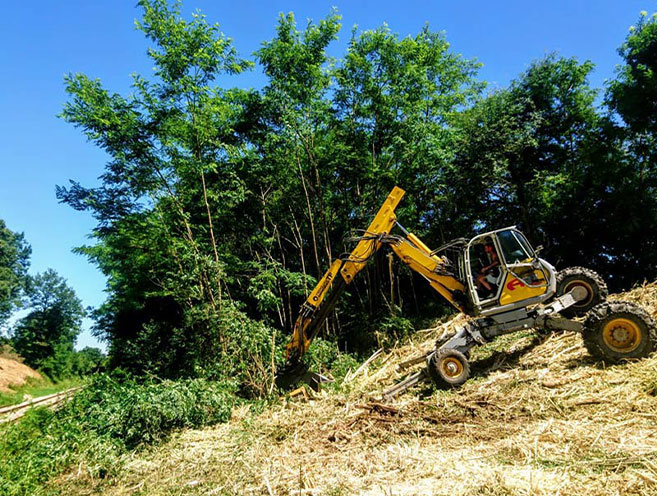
(298, 373)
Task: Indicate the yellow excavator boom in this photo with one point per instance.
(347, 268)
(409, 248)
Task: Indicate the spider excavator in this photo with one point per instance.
(498, 280)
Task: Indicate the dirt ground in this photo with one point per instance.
(14, 373)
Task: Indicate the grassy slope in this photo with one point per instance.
(539, 417)
(34, 388)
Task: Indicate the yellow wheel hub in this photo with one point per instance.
(451, 367)
(622, 335)
(583, 284)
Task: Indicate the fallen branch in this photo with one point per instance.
(360, 369)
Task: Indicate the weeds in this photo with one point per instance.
(101, 424)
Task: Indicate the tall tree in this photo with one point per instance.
(521, 149)
(632, 96)
(221, 207)
(168, 193)
(14, 263)
(222, 199)
(540, 154)
(46, 336)
(87, 361)
(396, 100)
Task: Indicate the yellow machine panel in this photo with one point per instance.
(383, 222)
(516, 290)
(318, 294)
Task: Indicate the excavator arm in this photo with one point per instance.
(341, 273)
(409, 248)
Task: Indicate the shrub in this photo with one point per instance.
(101, 423)
(325, 356)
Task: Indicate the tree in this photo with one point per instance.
(524, 157)
(220, 207)
(87, 361)
(541, 155)
(396, 101)
(14, 263)
(223, 204)
(168, 192)
(633, 94)
(46, 336)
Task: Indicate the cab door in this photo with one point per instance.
(525, 278)
(476, 258)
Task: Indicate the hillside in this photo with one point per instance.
(14, 373)
(539, 417)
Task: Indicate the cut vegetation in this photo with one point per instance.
(539, 417)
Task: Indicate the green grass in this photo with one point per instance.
(101, 424)
(36, 388)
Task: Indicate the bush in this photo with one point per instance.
(325, 356)
(249, 349)
(143, 413)
(101, 423)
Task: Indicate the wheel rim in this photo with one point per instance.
(451, 367)
(622, 335)
(583, 284)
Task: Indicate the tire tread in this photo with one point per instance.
(601, 312)
(574, 272)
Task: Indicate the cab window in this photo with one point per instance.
(515, 248)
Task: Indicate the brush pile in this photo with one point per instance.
(539, 416)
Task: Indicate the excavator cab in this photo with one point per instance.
(502, 271)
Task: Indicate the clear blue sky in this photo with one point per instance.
(42, 40)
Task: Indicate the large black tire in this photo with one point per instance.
(617, 330)
(595, 286)
(449, 368)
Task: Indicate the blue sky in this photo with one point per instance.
(42, 40)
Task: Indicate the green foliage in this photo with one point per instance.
(88, 360)
(396, 99)
(168, 144)
(324, 356)
(45, 337)
(135, 413)
(392, 328)
(100, 425)
(518, 145)
(220, 207)
(188, 158)
(251, 354)
(633, 97)
(633, 94)
(541, 155)
(14, 262)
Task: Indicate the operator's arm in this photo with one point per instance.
(494, 262)
(488, 267)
